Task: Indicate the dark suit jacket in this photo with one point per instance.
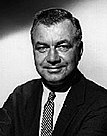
(84, 112)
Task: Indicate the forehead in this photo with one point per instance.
(61, 30)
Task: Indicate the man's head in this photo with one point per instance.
(56, 37)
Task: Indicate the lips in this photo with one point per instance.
(54, 69)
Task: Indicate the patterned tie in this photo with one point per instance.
(47, 120)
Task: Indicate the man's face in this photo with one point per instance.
(55, 53)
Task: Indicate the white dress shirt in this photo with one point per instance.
(58, 103)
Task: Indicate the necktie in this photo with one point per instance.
(47, 120)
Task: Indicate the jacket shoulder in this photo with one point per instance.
(24, 92)
(95, 88)
(28, 88)
(95, 93)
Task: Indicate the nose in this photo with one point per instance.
(53, 57)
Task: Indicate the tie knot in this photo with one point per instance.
(51, 96)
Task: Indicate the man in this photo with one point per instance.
(80, 106)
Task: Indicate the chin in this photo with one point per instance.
(54, 79)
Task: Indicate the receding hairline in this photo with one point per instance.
(62, 21)
(46, 17)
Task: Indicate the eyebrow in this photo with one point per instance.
(59, 42)
(63, 41)
(41, 43)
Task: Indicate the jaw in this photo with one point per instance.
(54, 77)
(60, 85)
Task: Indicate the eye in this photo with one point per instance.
(41, 48)
(64, 47)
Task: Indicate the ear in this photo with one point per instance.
(80, 47)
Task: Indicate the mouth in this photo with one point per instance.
(54, 69)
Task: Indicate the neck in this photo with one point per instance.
(65, 84)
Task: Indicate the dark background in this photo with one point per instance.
(16, 14)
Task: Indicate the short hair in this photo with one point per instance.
(53, 16)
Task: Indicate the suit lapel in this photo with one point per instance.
(74, 98)
(34, 109)
(68, 111)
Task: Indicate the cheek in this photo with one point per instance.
(71, 59)
(38, 58)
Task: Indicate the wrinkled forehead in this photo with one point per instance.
(64, 26)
